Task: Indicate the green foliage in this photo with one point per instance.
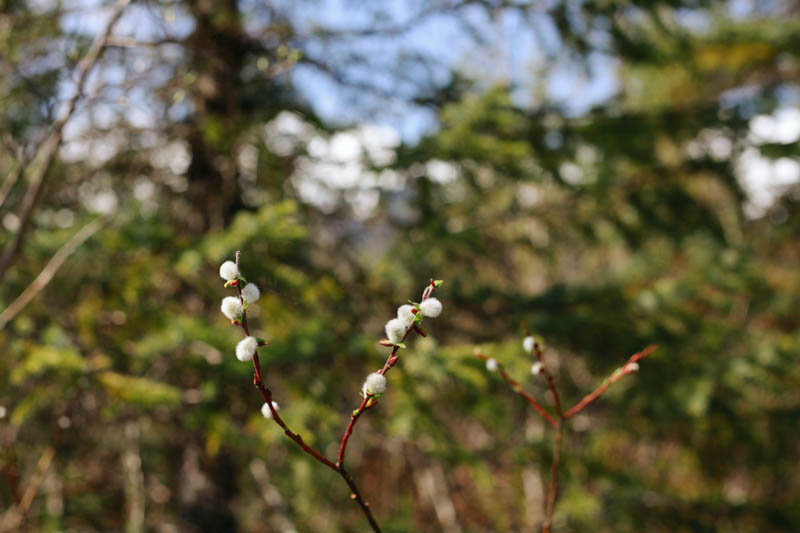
(602, 231)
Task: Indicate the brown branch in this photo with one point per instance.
(46, 152)
(549, 377)
(350, 426)
(356, 495)
(267, 395)
(14, 516)
(558, 423)
(628, 368)
(50, 269)
(519, 390)
(390, 362)
(11, 180)
(552, 493)
(36, 479)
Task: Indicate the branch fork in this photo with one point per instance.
(368, 402)
(558, 419)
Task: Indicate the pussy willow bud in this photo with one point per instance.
(527, 343)
(228, 271)
(265, 409)
(374, 385)
(406, 314)
(246, 348)
(250, 293)
(232, 307)
(431, 307)
(395, 330)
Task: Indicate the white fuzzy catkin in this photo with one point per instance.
(374, 385)
(527, 343)
(232, 307)
(395, 330)
(246, 348)
(536, 368)
(250, 293)
(266, 412)
(632, 367)
(406, 314)
(228, 271)
(491, 364)
(431, 307)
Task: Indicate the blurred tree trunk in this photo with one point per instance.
(217, 53)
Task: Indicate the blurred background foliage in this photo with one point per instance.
(609, 174)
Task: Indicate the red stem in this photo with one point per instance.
(267, 395)
(390, 362)
(550, 383)
(613, 378)
(519, 390)
(349, 430)
(558, 424)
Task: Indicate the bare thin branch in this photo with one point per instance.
(46, 152)
(552, 492)
(519, 390)
(390, 362)
(12, 519)
(50, 269)
(628, 368)
(267, 395)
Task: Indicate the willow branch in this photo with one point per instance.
(629, 367)
(519, 390)
(561, 418)
(369, 402)
(550, 382)
(266, 393)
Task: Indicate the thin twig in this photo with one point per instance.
(36, 479)
(390, 362)
(12, 518)
(11, 180)
(549, 377)
(267, 395)
(46, 152)
(552, 493)
(560, 421)
(519, 390)
(349, 430)
(627, 368)
(356, 495)
(50, 269)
